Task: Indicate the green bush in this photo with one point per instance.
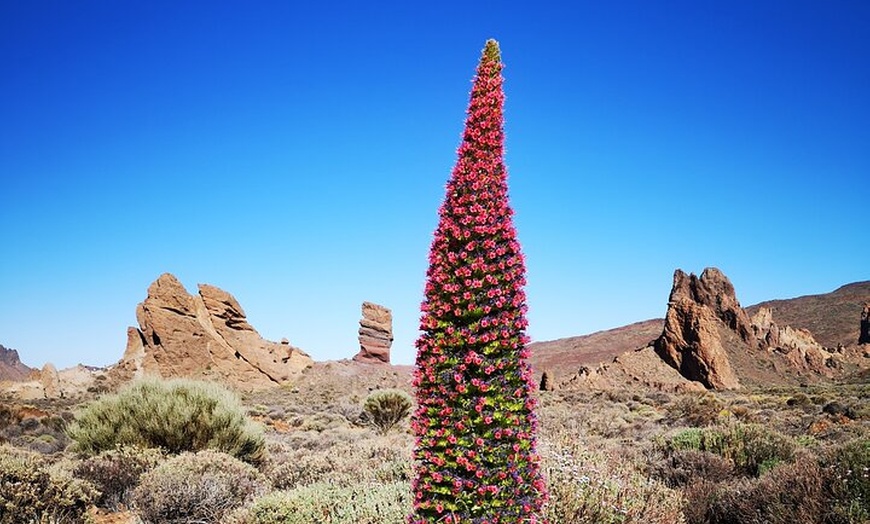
(386, 408)
(849, 483)
(753, 448)
(31, 490)
(321, 503)
(116, 473)
(196, 487)
(175, 415)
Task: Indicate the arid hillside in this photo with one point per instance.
(832, 318)
(566, 355)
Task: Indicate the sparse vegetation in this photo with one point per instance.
(115, 473)
(371, 503)
(627, 456)
(196, 487)
(32, 489)
(175, 416)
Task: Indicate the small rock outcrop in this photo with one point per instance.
(864, 336)
(798, 346)
(765, 328)
(49, 383)
(546, 384)
(375, 334)
(203, 336)
(691, 341)
(50, 380)
(11, 367)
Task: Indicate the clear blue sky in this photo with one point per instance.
(295, 155)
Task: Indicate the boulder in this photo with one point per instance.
(50, 381)
(798, 346)
(546, 383)
(375, 334)
(205, 336)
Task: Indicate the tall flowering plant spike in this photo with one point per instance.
(475, 424)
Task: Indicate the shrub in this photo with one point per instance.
(696, 410)
(356, 460)
(586, 487)
(116, 473)
(31, 428)
(175, 415)
(684, 467)
(386, 408)
(475, 424)
(752, 447)
(321, 503)
(788, 494)
(31, 490)
(849, 481)
(196, 487)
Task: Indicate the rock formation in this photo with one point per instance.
(375, 334)
(697, 310)
(765, 329)
(49, 383)
(546, 383)
(11, 367)
(715, 291)
(203, 336)
(798, 346)
(864, 336)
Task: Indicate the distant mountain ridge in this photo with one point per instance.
(814, 337)
(833, 318)
(11, 367)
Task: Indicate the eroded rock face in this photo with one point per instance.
(11, 367)
(765, 329)
(798, 346)
(714, 290)
(802, 350)
(864, 336)
(690, 342)
(375, 334)
(203, 336)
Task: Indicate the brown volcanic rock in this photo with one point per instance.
(11, 367)
(375, 334)
(691, 343)
(833, 318)
(864, 334)
(714, 290)
(765, 328)
(797, 345)
(803, 352)
(203, 336)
